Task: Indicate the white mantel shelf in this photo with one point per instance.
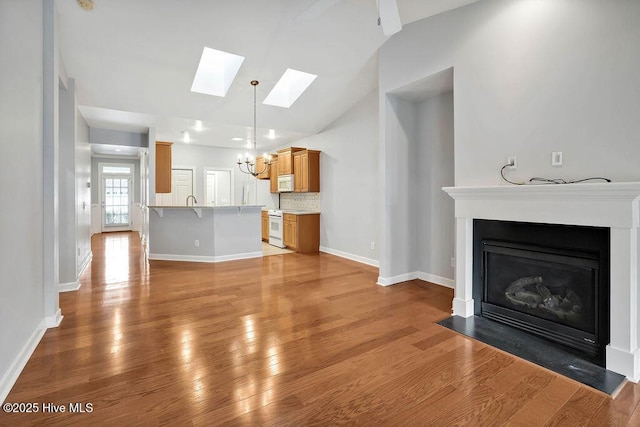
(597, 204)
(613, 205)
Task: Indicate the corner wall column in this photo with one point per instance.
(463, 297)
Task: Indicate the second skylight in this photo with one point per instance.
(289, 88)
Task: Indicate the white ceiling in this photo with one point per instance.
(134, 62)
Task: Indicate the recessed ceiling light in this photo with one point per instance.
(216, 72)
(185, 136)
(272, 134)
(198, 127)
(237, 138)
(118, 149)
(289, 88)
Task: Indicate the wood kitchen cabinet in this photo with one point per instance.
(265, 226)
(274, 175)
(163, 167)
(261, 163)
(285, 160)
(306, 171)
(302, 232)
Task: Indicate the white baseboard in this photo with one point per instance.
(69, 287)
(54, 320)
(388, 281)
(18, 364)
(352, 257)
(427, 277)
(197, 258)
(85, 263)
(438, 280)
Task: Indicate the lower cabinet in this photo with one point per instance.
(302, 232)
(265, 226)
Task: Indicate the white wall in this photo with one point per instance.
(436, 223)
(83, 192)
(530, 77)
(21, 216)
(67, 184)
(349, 181)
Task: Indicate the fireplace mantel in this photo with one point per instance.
(613, 205)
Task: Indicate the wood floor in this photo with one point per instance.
(283, 340)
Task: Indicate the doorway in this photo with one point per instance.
(116, 196)
(218, 187)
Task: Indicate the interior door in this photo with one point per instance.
(116, 203)
(181, 186)
(211, 185)
(218, 185)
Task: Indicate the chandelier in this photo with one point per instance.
(250, 163)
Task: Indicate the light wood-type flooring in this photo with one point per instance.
(285, 340)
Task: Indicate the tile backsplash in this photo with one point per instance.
(301, 201)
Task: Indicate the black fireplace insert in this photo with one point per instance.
(549, 280)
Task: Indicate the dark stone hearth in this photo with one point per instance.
(536, 350)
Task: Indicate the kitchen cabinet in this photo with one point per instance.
(163, 167)
(302, 232)
(306, 171)
(285, 160)
(265, 226)
(274, 175)
(261, 163)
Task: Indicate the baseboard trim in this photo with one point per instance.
(54, 320)
(437, 280)
(427, 277)
(393, 280)
(18, 364)
(197, 258)
(69, 287)
(352, 257)
(85, 263)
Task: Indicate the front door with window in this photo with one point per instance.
(116, 203)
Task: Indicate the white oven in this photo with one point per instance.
(276, 228)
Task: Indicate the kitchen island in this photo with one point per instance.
(204, 233)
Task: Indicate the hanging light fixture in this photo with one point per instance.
(249, 163)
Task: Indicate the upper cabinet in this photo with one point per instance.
(274, 175)
(261, 163)
(285, 160)
(306, 171)
(163, 167)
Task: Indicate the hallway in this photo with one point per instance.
(280, 340)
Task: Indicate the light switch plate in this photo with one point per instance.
(556, 158)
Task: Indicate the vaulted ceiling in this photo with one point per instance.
(134, 62)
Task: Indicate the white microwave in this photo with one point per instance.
(285, 183)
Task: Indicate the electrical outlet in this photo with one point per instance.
(556, 158)
(453, 262)
(512, 162)
(373, 245)
(197, 243)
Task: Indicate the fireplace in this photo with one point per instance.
(614, 206)
(548, 280)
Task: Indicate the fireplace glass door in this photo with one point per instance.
(549, 292)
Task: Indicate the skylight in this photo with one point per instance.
(289, 88)
(216, 72)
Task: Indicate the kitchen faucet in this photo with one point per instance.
(195, 201)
